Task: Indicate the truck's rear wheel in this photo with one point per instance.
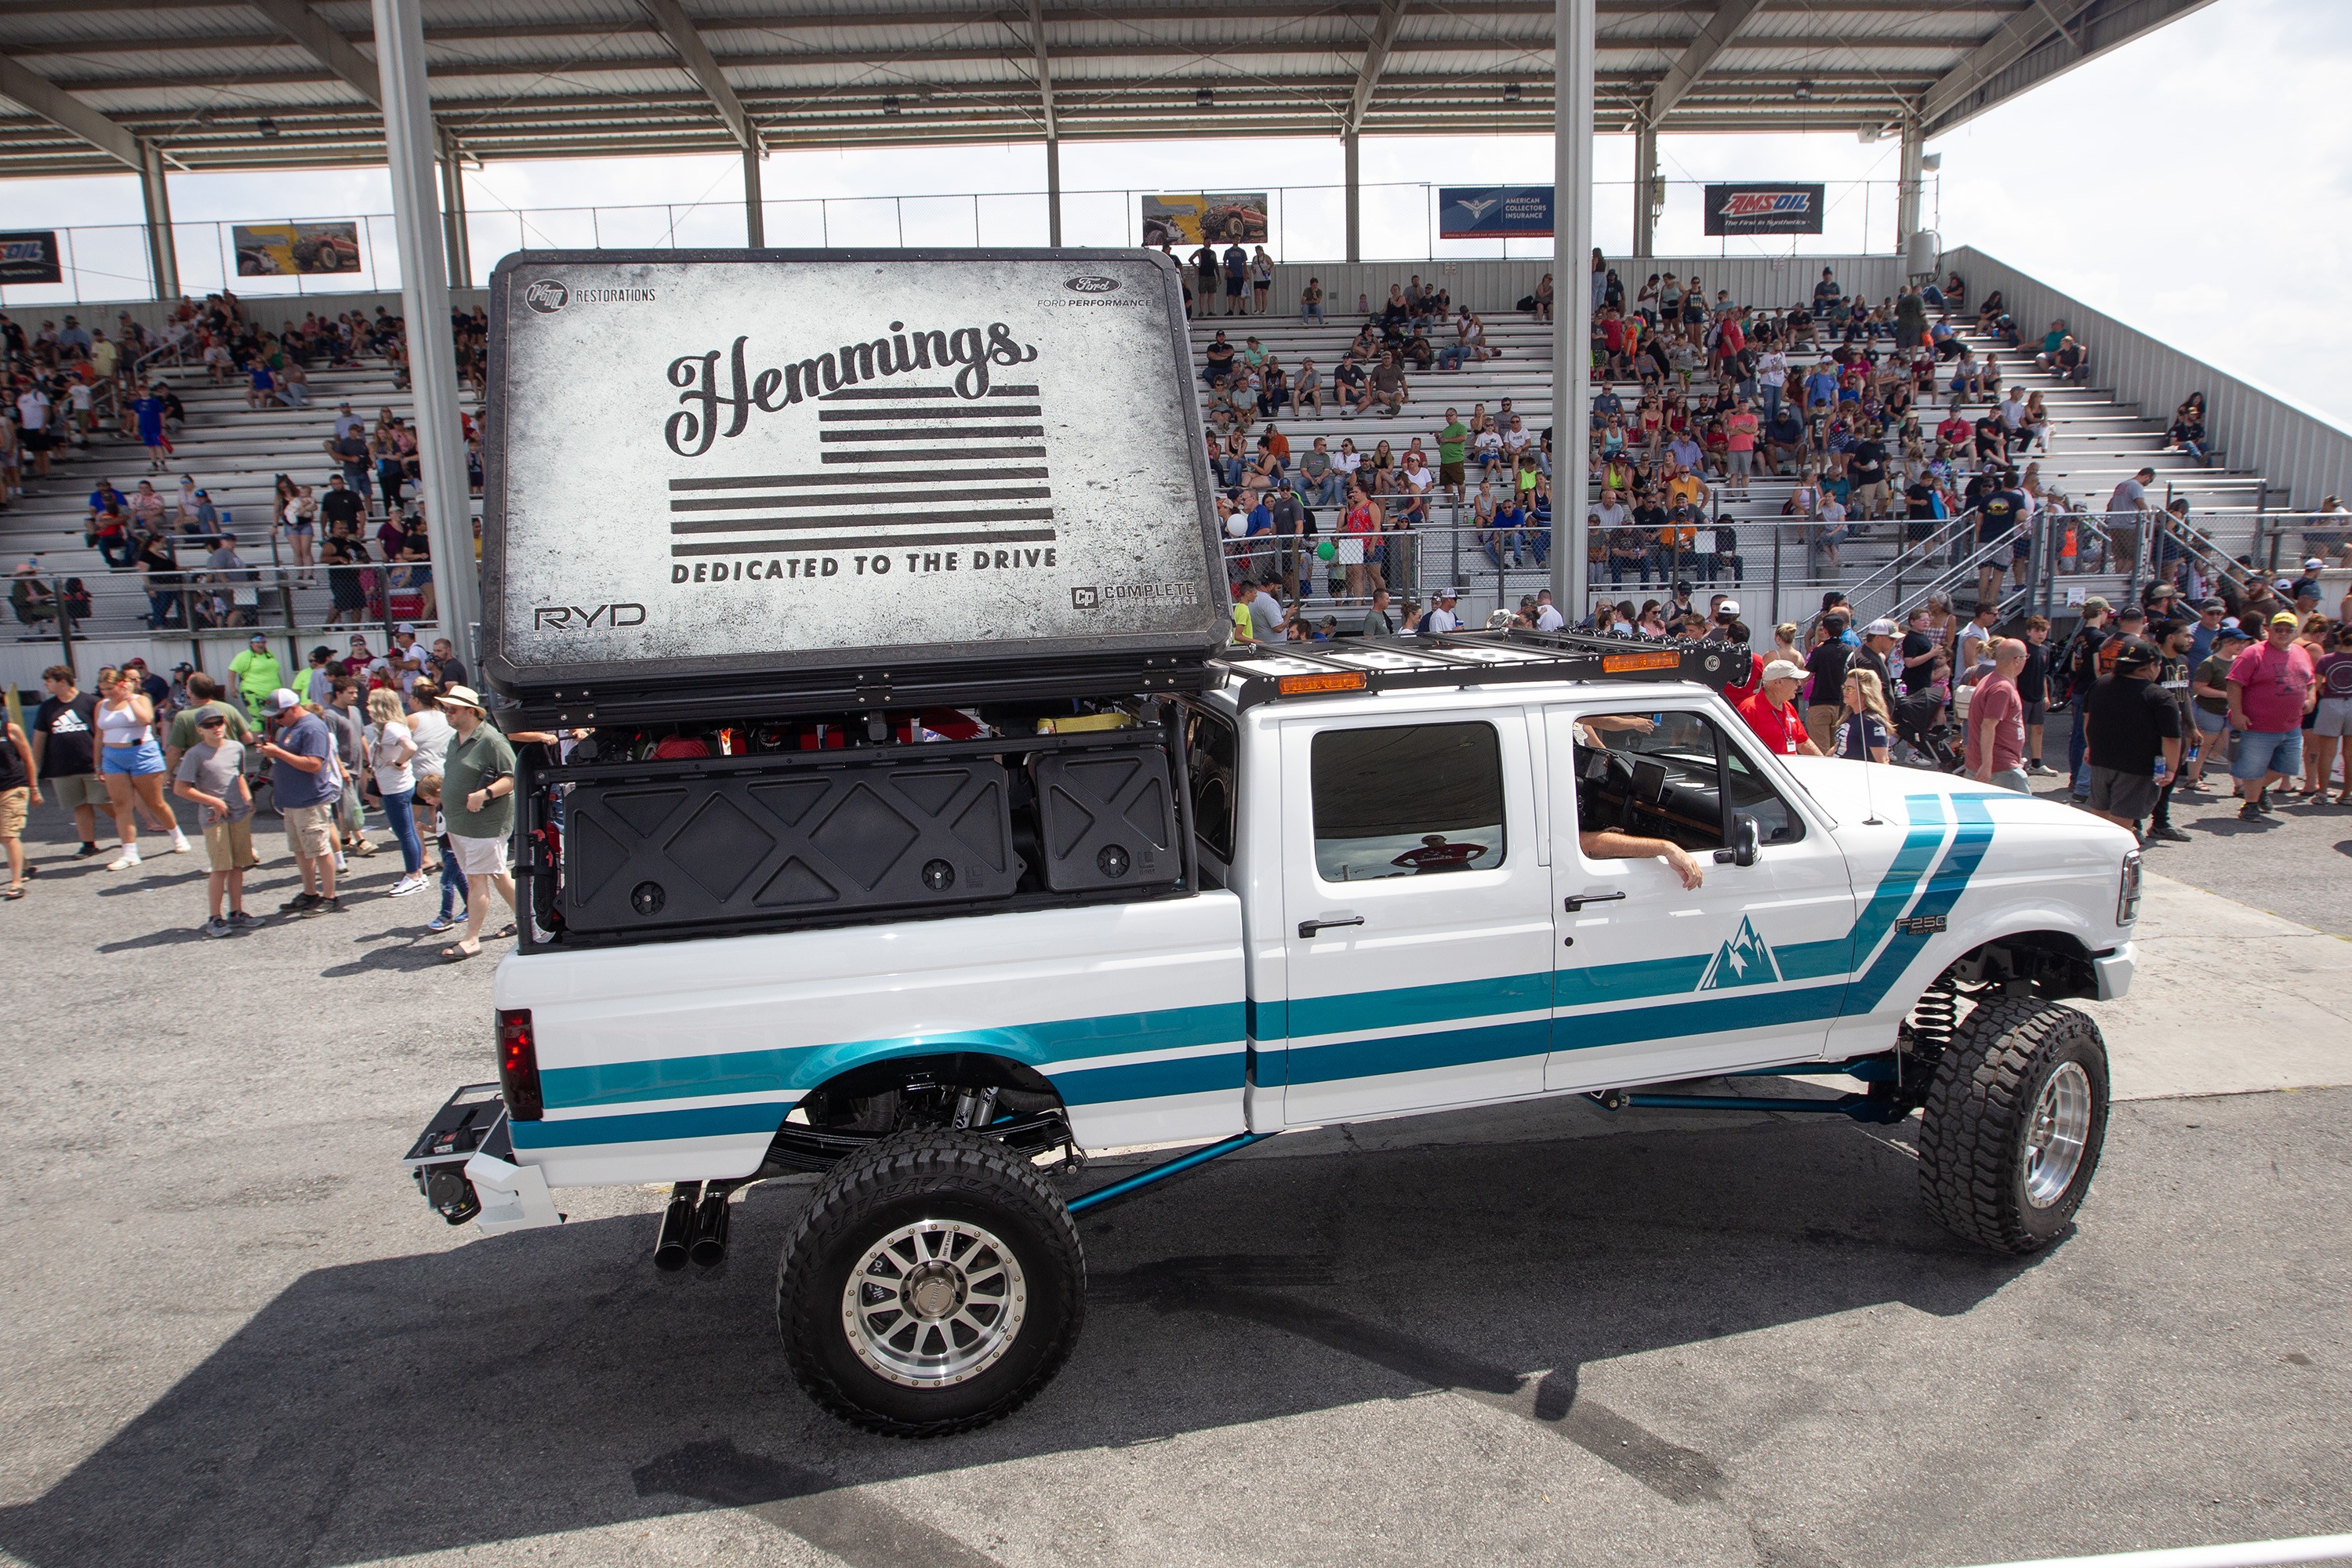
(2014, 1122)
(935, 1284)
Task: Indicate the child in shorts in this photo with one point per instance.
(212, 773)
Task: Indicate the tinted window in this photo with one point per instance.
(1659, 776)
(1212, 749)
(1411, 801)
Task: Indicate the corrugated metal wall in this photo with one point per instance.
(2299, 453)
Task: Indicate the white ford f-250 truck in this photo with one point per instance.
(929, 876)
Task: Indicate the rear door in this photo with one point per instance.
(1416, 913)
(1658, 981)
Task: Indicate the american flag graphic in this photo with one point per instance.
(896, 466)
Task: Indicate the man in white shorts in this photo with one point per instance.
(477, 779)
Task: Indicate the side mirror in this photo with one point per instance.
(1747, 838)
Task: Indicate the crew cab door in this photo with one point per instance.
(1657, 981)
(1416, 914)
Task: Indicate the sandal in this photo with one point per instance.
(12, 895)
(458, 952)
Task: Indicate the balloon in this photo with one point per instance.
(1237, 526)
(1327, 550)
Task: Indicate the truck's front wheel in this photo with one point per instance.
(2015, 1119)
(934, 1284)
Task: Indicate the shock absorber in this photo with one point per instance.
(1928, 1031)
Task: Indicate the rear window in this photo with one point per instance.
(1411, 800)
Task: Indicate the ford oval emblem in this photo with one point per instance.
(1092, 285)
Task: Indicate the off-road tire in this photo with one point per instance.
(1978, 1116)
(929, 1175)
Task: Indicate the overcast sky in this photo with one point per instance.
(2194, 184)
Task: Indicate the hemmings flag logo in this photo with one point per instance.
(1764, 209)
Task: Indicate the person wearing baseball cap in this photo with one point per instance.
(478, 781)
(2133, 728)
(2209, 704)
(1440, 618)
(2272, 686)
(1772, 712)
(306, 783)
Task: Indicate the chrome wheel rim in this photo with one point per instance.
(2057, 1135)
(934, 1303)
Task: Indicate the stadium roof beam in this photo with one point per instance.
(695, 56)
(324, 44)
(1714, 36)
(1052, 131)
(1359, 103)
(69, 113)
(2049, 37)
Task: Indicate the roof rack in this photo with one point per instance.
(1469, 659)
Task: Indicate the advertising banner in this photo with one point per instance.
(700, 461)
(1763, 209)
(30, 256)
(1494, 212)
(1220, 217)
(286, 249)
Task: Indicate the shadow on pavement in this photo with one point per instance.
(553, 1380)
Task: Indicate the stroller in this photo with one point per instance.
(1921, 738)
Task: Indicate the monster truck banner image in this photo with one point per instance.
(277, 250)
(30, 257)
(1220, 217)
(779, 462)
(1494, 212)
(1763, 209)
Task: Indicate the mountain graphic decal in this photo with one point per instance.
(1745, 959)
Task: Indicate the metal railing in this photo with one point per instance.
(107, 262)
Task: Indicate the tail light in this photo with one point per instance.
(519, 1066)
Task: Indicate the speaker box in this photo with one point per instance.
(707, 847)
(1106, 819)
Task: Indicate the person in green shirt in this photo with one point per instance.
(477, 779)
(1451, 443)
(203, 697)
(257, 673)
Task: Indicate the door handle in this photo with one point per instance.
(1577, 902)
(1308, 928)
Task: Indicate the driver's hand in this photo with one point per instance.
(1641, 724)
(1686, 866)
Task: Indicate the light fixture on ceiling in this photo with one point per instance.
(1804, 89)
(890, 104)
(1867, 134)
(1510, 92)
(266, 125)
(1931, 162)
(1205, 98)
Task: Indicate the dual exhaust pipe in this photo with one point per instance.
(693, 1227)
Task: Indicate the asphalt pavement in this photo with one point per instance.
(231, 1332)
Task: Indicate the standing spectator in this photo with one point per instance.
(2082, 665)
(2134, 734)
(65, 750)
(2034, 689)
(1772, 712)
(2209, 689)
(212, 773)
(348, 724)
(2128, 510)
(1827, 663)
(1237, 263)
(447, 669)
(1866, 729)
(2171, 639)
(477, 784)
(257, 673)
(303, 786)
(1995, 744)
(130, 763)
(17, 770)
(391, 751)
(2331, 729)
(2272, 686)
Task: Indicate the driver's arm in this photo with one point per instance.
(1610, 845)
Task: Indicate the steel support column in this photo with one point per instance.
(454, 238)
(1571, 399)
(162, 255)
(1355, 198)
(755, 215)
(1053, 190)
(1906, 196)
(1645, 187)
(424, 302)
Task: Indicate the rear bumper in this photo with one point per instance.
(2113, 972)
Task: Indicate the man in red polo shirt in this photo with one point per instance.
(1772, 712)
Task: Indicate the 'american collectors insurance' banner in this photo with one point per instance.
(1494, 212)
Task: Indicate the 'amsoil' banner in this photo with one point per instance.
(30, 256)
(1763, 209)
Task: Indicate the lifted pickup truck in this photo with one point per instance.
(934, 935)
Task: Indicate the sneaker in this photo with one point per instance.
(406, 886)
(87, 851)
(217, 926)
(179, 841)
(341, 865)
(2039, 766)
(298, 903)
(242, 921)
(2250, 811)
(324, 907)
(2167, 835)
(439, 924)
(124, 861)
